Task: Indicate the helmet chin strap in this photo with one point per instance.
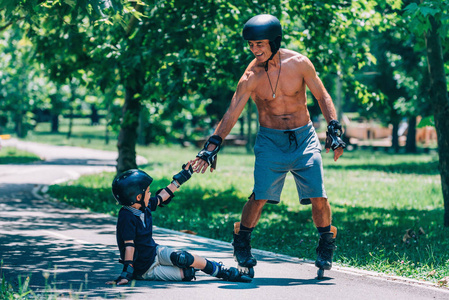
(273, 53)
(143, 206)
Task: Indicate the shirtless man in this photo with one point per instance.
(276, 81)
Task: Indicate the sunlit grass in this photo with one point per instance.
(12, 155)
(83, 135)
(375, 198)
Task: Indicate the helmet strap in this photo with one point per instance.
(274, 50)
(142, 202)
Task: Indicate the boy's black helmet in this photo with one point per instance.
(264, 27)
(127, 185)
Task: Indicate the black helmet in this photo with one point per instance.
(264, 27)
(127, 185)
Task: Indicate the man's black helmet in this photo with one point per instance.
(264, 27)
(127, 185)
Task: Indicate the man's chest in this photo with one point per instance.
(271, 86)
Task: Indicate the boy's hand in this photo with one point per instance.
(122, 281)
(127, 272)
(185, 174)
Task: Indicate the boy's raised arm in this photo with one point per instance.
(166, 194)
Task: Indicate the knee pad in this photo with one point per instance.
(182, 259)
(189, 274)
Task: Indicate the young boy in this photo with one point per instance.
(141, 256)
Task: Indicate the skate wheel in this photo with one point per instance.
(320, 274)
(251, 272)
(247, 271)
(242, 269)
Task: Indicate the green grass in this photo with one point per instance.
(83, 135)
(8, 292)
(376, 197)
(23, 290)
(12, 155)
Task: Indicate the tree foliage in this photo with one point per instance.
(432, 22)
(172, 65)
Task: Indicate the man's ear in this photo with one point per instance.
(138, 197)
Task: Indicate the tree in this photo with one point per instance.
(431, 20)
(170, 70)
(395, 77)
(24, 85)
(61, 32)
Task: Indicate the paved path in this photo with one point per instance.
(73, 251)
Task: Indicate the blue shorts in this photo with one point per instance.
(280, 151)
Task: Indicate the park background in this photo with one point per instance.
(154, 77)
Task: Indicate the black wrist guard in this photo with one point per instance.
(127, 272)
(211, 156)
(184, 175)
(164, 203)
(333, 136)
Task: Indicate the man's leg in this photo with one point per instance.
(322, 217)
(321, 212)
(252, 210)
(242, 232)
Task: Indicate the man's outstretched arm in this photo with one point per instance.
(208, 155)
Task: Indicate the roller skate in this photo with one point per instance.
(242, 251)
(232, 274)
(325, 252)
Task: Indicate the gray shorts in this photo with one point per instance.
(280, 151)
(162, 268)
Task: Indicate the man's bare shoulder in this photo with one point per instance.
(254, 68)
(251, 74)
(290, 56)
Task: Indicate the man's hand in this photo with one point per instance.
(200, 165)
(208, 155)
(333, 139)
(337, 152)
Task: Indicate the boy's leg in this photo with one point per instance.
(164, 269)
(186, 262)
(163, 272)
(171, 273)
(228, 274)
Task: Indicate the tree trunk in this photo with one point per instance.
(71, 104)
(440, 107)
(410, 145)
(106, 127)
(394, 135)
(94, 117)
(127, 137)
(55, 123)
(69, 132)
(19, 125)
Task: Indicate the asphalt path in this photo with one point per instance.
(72, 252)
